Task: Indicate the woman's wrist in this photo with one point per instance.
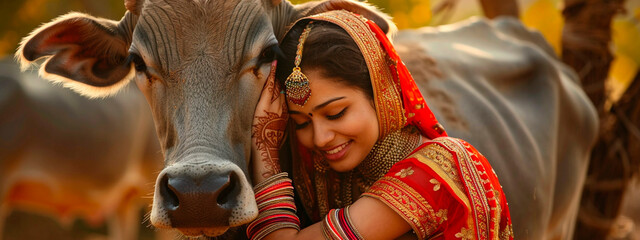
(338, 225)
(276, 207)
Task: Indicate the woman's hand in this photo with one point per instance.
(267, 133)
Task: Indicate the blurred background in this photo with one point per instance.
(614, 24)
(18, 17)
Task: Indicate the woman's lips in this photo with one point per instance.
(337, 152)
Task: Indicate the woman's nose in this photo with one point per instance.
(322, 135)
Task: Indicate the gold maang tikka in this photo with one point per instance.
(297, 84)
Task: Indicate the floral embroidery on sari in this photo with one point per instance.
(404, 172)
(436, 184)
(465, 234)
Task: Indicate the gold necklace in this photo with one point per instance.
(337, 190)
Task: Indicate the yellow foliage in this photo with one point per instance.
(401, 20)
(625, 35)
(7, 43)
(546, 17)
(622, 71)
(421, 14)
(32, 9)
(398, 6)
(626, 38)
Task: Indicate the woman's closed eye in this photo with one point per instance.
(338, 115)
(302, 125)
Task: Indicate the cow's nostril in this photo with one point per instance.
(169, 194)
(229, 191)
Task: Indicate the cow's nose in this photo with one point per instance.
(200, 202)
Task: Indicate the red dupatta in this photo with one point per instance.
(398, 103)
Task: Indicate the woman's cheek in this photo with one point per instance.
(305, 137)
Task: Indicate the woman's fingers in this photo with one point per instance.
(268, 129)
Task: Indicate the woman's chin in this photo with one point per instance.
(342, 166)
(340, 169)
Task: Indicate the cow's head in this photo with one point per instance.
(201, 65)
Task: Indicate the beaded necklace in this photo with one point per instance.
(338, 190)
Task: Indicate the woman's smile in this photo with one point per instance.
(336, 153)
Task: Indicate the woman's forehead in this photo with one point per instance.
(325, 92)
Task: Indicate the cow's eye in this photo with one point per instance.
(268, 54)
(138, 62)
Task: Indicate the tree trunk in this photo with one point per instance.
(585, 43)
(585, 47)
(495, 8)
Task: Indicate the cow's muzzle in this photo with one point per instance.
(200, 202)
(202, 198)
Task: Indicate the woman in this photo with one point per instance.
(373, 162)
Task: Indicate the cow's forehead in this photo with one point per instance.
(173, 31)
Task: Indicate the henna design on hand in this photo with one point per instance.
(269, 134)
(271, 86)
(268, 128)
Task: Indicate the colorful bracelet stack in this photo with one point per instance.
(276, 207)
(337, 226)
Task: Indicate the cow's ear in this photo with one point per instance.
(87, 54)
(271, 3)
(134, 6)
(364, 9)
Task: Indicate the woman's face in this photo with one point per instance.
(337, 121)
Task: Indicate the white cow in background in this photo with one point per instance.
(68, 156)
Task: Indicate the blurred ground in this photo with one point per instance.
(21, 225)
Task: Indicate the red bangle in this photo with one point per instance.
(276, 207)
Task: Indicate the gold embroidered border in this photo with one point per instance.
(442, 162)
(409, 204)
(507, 233)
(435, 165)
(473, 181)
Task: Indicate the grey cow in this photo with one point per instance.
(201, 64)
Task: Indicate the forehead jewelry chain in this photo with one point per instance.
(297, 83)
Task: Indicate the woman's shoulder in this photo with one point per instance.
(428, 181)
(445, 153)
(447, 143)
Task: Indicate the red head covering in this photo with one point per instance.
(398, 100)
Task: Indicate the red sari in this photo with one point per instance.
(445, 189)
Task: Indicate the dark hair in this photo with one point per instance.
(329, 49)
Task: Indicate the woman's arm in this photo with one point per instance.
(376, 220)
(371, 218)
